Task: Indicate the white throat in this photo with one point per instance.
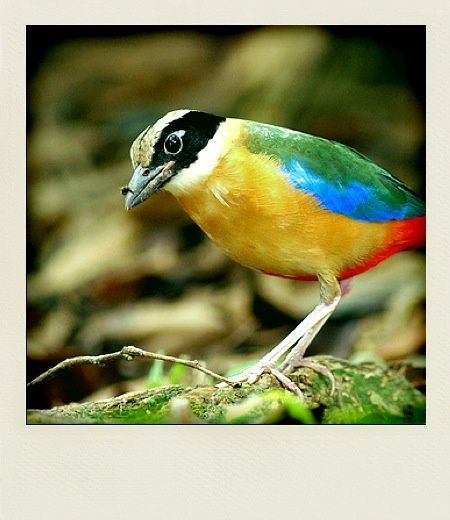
(208, 158)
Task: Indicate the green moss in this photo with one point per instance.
(133, 408)
(365, 394)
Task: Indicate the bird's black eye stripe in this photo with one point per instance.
(183, 139)
(174, 143)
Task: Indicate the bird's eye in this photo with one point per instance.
(173, 143)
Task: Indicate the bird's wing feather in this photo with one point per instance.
(341, 179)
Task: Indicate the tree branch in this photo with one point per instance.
(127, 353)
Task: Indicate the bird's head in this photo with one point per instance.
(175, 153)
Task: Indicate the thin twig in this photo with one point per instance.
(127, 353)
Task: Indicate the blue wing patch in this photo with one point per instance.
(351, 198)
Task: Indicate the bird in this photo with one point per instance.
(281, 202)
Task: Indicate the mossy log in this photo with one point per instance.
(365, 394)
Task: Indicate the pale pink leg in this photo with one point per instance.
(300, 338)
(296, 359)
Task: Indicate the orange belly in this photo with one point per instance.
(252, 212)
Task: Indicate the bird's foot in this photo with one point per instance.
(252, 374)
(289, 365)
(287, 382)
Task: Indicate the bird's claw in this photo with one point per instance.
(287, 368)
(287, 382)
(252, 375)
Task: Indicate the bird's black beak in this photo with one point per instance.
(145, 182)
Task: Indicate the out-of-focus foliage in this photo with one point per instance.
(100, 278)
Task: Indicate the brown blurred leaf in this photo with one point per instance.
(199, 317)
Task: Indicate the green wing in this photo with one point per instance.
(340, 178)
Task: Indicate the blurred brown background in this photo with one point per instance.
(100, 277)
